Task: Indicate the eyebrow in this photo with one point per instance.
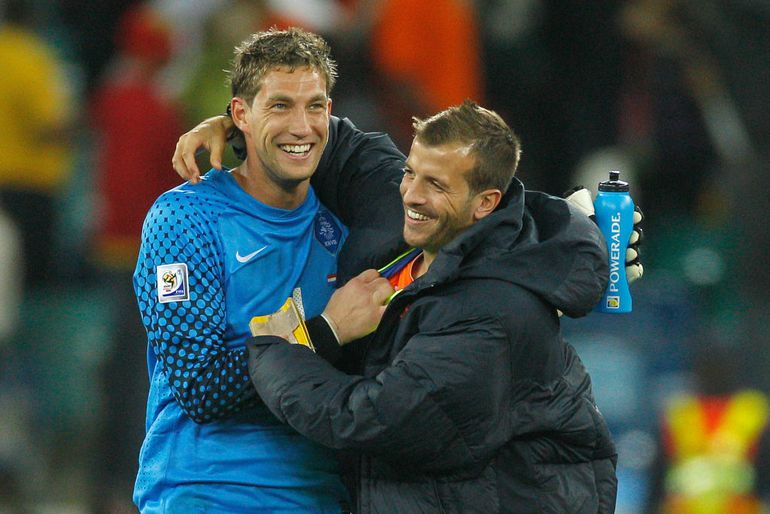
(287, 99)
(429, 177)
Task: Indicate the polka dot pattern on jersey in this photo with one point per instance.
(208, 380)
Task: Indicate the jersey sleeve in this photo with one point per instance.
(185, 321)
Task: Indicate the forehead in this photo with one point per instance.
(301, 80)
(449, 160)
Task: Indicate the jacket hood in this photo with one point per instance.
(535, 241)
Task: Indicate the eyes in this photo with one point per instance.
(314, 107)
(433, 183)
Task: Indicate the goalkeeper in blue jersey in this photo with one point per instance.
(238, 245)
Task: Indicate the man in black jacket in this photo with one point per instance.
(469, 399)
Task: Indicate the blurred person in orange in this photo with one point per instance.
(35, 155)
(431, 47)
(425, 57)
(136, 126)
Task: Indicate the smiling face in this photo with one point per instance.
(437, 199)
(286, 128)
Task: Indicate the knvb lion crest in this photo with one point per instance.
(327, 231)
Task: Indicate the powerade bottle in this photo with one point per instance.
(615, 217)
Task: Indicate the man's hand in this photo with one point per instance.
(210, 134)
(580, 197)
(355, 309)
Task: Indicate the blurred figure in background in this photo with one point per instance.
(92, 27)
(703, 109)
(207, 90)
(664, 105)
(14, 440)
(713, 457)
(10, 281)
(554, 66)
(424, 57)
(136, 127)
(35, 154)
(36, 108)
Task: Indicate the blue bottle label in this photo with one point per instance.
(613, 298)
(614, 215)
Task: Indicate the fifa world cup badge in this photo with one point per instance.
(173, 283)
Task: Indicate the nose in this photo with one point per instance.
(299, 124)
(412, 192)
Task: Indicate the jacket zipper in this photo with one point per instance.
(438, 497)
(412, 294)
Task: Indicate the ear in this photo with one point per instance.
(329, 107)
(486, 203)
(238, 110)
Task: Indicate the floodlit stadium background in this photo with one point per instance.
(673, 93)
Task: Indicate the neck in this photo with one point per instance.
(270, 192)
(421, 265)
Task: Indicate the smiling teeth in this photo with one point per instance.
(416, 215)
(295, 149)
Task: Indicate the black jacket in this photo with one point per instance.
(470, 400)
(357, 179)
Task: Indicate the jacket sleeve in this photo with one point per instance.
(358, 179)
(208, 380)
(571, 245)
(415, 412)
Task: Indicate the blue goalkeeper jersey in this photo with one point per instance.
(212, 257)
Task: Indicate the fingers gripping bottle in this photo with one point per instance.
(615, 217)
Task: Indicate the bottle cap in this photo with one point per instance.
(614, 184)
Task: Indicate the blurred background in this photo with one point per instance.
(673, 93)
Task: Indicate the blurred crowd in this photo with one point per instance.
(673, 93)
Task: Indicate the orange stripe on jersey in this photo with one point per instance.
(404, 277)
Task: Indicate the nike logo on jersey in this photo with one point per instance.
(246, 258)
